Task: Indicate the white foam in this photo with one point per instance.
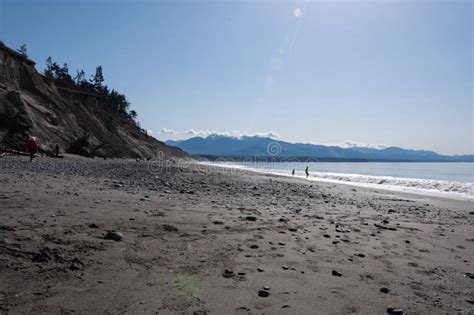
(429, 187)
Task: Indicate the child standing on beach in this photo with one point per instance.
(32, 147)
(307, 171)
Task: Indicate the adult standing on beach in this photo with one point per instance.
(32, 147)
(307, 171)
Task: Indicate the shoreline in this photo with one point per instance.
(208, 242)
(392, 188)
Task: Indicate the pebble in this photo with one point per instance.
(327, 236)
(292, 229)
(263, 293)
(41, 257)
(336, 273)
(76, 265)
(251, 218)
(384, 290)
(285, 267)
(114, 235)
(170, 228)
(228, 273)
(469, 275)
(260, 269)
(394, 311)
(254, 246)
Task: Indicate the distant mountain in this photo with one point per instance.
(246, 146)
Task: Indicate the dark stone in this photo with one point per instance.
(327, 236)
(169, 228)
(76, 265)
(385, 290)
(114, 236)
(93, 226)
(42, 257)
(395, 311)
(254, 246)
(336, 273)
(469, 275)
(263, 293)
(292, 229)
(260, 269)
(251, 218)
(228, 273)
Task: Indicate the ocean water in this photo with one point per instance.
(449, 180)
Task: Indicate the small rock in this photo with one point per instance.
(254, 246)
(169, 228)
(228, 273)
(260, 269)
(266, 288)
(76, 265)
(93, 226)
(285, 267)
(394, 311)
(41, 257)
(217, 222)
(469, 275)
(385, 290)
(114, 235)
(263, 293)
(292, 229)
(251, 218)
(327, 236)
(336, 273)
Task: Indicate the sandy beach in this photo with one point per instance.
(195, 240)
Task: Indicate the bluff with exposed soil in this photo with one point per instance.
(33, 104)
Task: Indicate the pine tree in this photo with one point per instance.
(23, 51)
(80, 77)
(49, 68)
(98, 79)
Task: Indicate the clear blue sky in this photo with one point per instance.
(380, 72)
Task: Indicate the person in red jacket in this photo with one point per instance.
(32, 147)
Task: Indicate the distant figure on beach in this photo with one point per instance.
(56, 150)
(307, 171)
(293, 173)
(32, 147)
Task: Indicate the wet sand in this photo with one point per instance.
(213, 241)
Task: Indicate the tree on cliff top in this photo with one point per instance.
(23, 51)
(98, 79)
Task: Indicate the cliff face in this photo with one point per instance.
(31, 103)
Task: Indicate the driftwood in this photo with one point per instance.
(384, 227)
(14, 152)
(22, 153)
